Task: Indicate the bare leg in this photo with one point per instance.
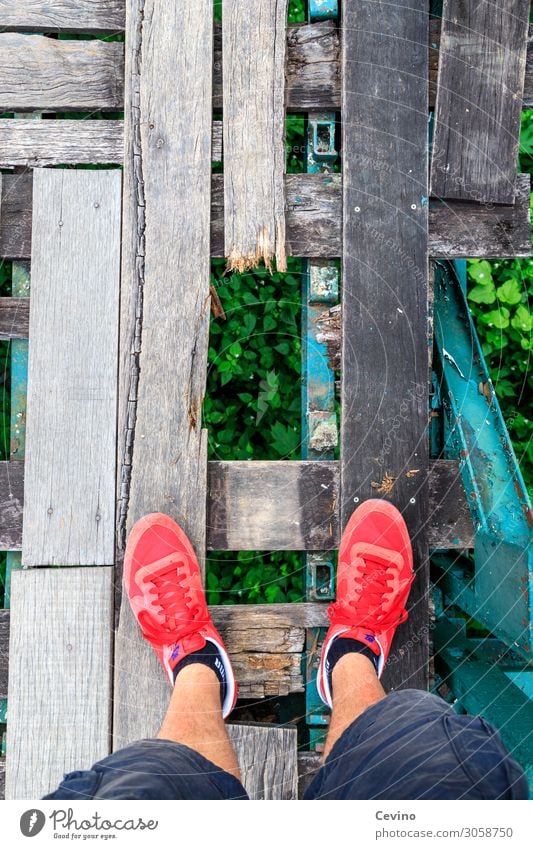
(194, 717)
(355, 687)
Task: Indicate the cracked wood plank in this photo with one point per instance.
(268, 758)
(71, 431)
(480, 86)
(385, 390)
(253, 45)
(44, 74)
(91, 16)
(165, 303)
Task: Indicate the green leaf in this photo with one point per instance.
(509, 292)
(482, 295)
(522, 319)
(480, 271)
(497, 318)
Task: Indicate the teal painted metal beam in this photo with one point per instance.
(501, 591)
(482, 687)
(320, 289)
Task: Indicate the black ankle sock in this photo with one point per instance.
(344, 645)
(209, 656)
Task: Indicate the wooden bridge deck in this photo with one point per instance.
(119, 312)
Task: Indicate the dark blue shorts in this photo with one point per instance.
(410, 745)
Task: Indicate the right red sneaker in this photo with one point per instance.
(164, 585)
(374, 576)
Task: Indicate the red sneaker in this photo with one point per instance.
(164, 586)
(374, 576)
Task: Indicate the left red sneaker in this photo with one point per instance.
(164, 585)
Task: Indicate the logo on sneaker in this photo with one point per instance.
(175, 652)
(220, 666)
(370, 638)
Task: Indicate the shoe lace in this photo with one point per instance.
(372, 604)
(181, 616)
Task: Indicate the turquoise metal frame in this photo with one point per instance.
(320, 289)
(499, 590)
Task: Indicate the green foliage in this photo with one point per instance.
(252, 411)
(499, 293)
(255, 366)
(248, 577)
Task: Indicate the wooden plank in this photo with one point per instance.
(4, 652)
(314, 207)
(11, 501)
(40, 143)
(313, 64)
(273, 505)
(63, 142)
(479, 100)
(234, 525)
(469, 229)
(267, 756)
(2, 778)
(71, 428)
(165, 304)
(44, 74)
(253, 43)
(92, 16)
(308, 765)
(14, 318)
(70, 685)
(384, 418)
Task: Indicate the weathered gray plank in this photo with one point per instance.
(164, 302)
(14, 318)
(71, 428)
(253, 44)
(93, 16)
(2, 778)
(63, 142)
(44, 74)
(314, 204)
(4, 652)
(479, 100)
(384, 418)
(234, 524)
(267, 756)
(308, 765)
(59, 696)
(11, 501)
(272, 505)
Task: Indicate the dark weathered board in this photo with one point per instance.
(314, 201)
(91, 16)
(4, 652)
(14, 318)
(63, 142)
(69, 498)
(11, 501)
(241, 494)
(253, 45)
(165, 305)
(267, 756)
(42, 74)
(479, 100)
(384, 419)
(2, 778)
